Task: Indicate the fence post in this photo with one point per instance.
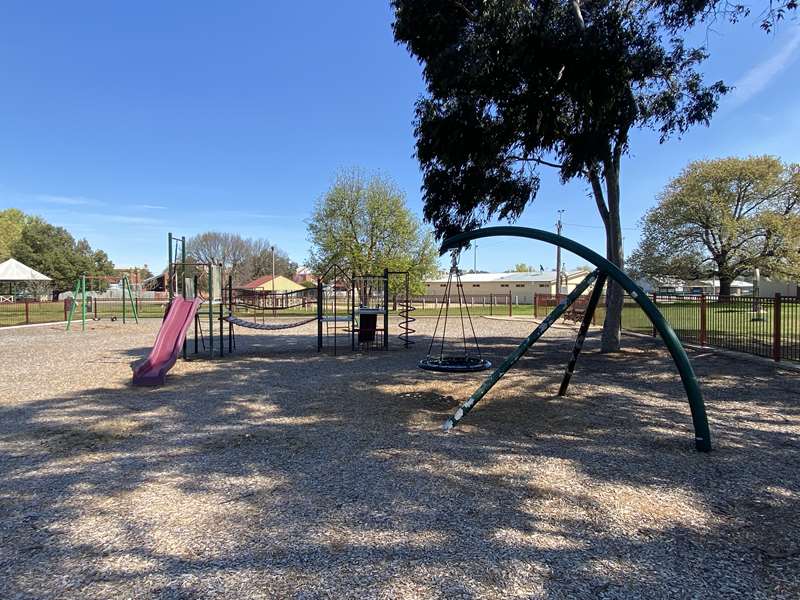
(534, 300)
(776, 328)
(655, 333)
(66, 308)
(27, 314)
(509, 303)
(703, 321)
(491, 304)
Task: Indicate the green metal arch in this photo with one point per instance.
(690, 384)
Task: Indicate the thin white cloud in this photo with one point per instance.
(762, 74)
(67, 200)
(125, 219)
(241, 214)
(149, 206)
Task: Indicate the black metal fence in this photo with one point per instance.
(768, 327)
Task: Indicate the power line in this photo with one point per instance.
(599, 226)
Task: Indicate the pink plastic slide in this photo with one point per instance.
(168, 343)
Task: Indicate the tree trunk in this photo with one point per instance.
(724, 287)
(615, 295)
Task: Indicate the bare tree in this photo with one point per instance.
(241, 258)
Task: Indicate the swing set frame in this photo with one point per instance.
(81, 293)
(605, 270)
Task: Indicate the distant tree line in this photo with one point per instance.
(525, 268)
(49, 249)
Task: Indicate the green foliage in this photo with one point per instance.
(260, 264)
(514, 84)
(145, 273)
(54, 252)
(724, 218)
(12, 221)
(524, 268)
(363, 225)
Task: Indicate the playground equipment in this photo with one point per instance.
(83, 297)
(185, 281)
(467, 357)
(334, 313)
(190, 280)
(349, 305)
(370, 301)
(256, 303)
(171, 338)
(405, 308)
(358, 305)
(598, 277)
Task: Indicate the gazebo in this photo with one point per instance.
(13, 273)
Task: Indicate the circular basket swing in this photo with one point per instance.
(459, 355)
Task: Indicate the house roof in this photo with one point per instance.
(258, 282)
(13, 270)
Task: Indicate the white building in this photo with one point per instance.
(521, 286)
(669, 285)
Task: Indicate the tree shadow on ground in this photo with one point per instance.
(286, 471)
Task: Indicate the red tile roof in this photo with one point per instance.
(251, 285)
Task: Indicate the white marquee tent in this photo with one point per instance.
(12, 271)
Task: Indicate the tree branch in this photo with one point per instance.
(468, 12)
(576, 8)
(540, 161)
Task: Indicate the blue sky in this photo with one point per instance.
(123, 121)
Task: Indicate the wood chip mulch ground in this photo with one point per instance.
(280, 472)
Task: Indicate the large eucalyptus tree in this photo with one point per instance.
(517, 85)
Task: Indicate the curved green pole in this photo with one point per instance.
(702, 435)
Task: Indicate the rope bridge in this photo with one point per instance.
(267, 326)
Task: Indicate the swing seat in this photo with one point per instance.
(454, 364)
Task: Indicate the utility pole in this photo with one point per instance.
(475, 257)
(558, 255)
(273, 279)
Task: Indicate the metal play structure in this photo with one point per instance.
(81, 296)
(192, 280)
(355, 307)
(358, 305)
(605, 270)
(340, 304)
